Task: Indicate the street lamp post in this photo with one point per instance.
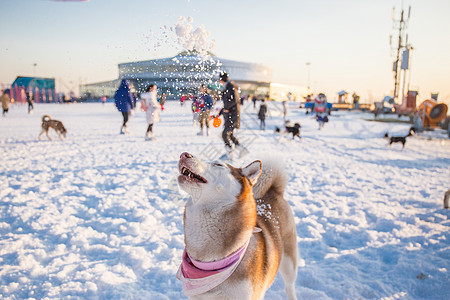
(308, 66)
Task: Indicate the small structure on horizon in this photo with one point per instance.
(342, 97)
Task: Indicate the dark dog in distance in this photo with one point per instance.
(400, 139)
(321, 120)
(294, 130)
(48, 123)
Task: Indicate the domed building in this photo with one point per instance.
(183, 74)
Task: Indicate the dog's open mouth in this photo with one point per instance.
(188, 173)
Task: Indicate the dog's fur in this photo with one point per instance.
(222, 214)
(400, 139)
(294, 130)
(48, 123)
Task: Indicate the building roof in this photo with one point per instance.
(236, 69)
(34, 82)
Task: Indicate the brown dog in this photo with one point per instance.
(48, 123)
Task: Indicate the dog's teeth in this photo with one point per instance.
(185, 171)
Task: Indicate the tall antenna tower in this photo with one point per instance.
(402, 52)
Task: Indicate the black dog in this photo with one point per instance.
(321, 120)
(400, 139)
(295, 130)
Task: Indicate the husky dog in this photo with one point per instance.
(48, 123)
(400, 139)
(234, 243)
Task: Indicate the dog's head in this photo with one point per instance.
(216, 181)
(412, 131)
(297, 125)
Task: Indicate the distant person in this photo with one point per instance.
(134, 95)
(162, 100)
(308, 104)
(355, 101)
(5, 102)
(123, 100)
(195, 111)
(149, 99)
(242, 100)
(262, 115)
(320, 108)
(205, 103)
(230, 112)
(254, 98)
(30, 101)
(72, 97)
(320, 104)
(183, 99)
(284, 102)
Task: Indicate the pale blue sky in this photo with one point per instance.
(346, 41)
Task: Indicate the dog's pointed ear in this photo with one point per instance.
(253, 171)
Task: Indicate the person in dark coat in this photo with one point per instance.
(230, 112)
(124, 102)
(254, 98)
(205, 103)
(30, 100)
(5, 101)
(262, 115)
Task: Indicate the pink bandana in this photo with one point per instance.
(199, 277)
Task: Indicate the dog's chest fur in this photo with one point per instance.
(213, 231)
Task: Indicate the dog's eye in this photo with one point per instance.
(218, 165)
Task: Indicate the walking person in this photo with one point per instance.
(162, 100)
(123, 100)
(5, 101)
(183, 99)
(195, 111)
(151, 108)
(230, 112)
(320, 108)
(205, 103)
(285, 105)
(262, 115)
(30, 100)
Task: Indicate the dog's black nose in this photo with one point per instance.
(185, 154)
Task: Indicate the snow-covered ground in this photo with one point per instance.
(99, 216)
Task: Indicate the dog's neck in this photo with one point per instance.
(213, 231)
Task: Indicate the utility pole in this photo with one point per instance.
(396, 63)
(402, 44)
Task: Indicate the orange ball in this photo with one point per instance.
(216, 122)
